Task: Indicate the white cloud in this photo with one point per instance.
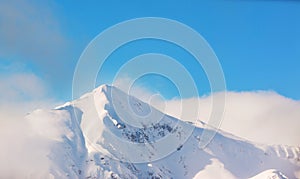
(20, 152)
(18, 86)
(22, 92)
(32, 34)
(260, 116)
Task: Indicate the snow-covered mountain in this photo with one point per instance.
(89, 138)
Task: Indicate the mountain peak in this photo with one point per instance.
(102, 88)
(109, 134)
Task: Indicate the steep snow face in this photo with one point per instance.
(117, 121)
(108, 134)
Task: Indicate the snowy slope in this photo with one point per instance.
(270, 174)
(88, 138)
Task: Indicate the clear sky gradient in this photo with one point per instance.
(257, 42)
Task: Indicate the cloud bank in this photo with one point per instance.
(21, 152)
(260, 116)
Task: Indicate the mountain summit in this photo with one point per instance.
(109, 134)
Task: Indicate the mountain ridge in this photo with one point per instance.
(88, 139)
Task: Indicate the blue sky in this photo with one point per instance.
(257, 42)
